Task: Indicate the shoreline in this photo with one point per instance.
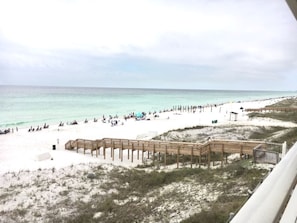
(27, 124)
(19, 150)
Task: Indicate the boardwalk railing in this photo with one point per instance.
(268, 108)
(200, 151)
(275, 200)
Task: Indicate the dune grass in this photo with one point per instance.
(289, 136)
(140, 194)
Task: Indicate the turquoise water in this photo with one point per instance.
(26, 106)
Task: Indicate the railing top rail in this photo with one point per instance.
(237, 141)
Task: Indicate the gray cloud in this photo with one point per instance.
(194, 44)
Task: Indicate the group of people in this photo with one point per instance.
(38, 128)
(6, 131)
(95, 120)
(74, 122)
(113, 120)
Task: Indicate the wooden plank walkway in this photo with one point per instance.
(200, 151)
(285, 109)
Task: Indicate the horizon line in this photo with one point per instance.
(142, 88)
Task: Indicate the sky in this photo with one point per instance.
(177, 44)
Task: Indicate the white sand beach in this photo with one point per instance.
(20, 150)
(35, 179)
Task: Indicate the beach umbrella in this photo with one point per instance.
(139, 115)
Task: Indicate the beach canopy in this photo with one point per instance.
(139, 115)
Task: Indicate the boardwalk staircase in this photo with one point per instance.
(201, 152)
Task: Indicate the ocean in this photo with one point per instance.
(24, 106)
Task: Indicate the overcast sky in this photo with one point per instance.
(187, 44)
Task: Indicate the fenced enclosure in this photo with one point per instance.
(264, 156)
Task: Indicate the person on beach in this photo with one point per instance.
(5, 131)
(103, 119)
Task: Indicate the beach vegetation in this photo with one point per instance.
(3, 196)
(142, 184)
(263, 133)
(167, 134)
(289, 136)
(277, 134)
(286, 116)
(190, 128)
(20, 212)
(143, 195)
(289, 102)
(224, 205)
(289, 116)
(147, 165)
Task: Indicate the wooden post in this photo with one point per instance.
(177, 158)
(209, 150)
(222, 158)
(241, 152)
(121, 150)
(138, 154)
(132, 155)
(129, 150)
(112, 151)
(92, 148)
(142, 152)
(200, 156)
(121, 154)
(97, 148)
(191, 156)
(165, 155)
(104, 152)
(84, 147)
(154, 149)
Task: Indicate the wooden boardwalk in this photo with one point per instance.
(200, 151)
(267, 108)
